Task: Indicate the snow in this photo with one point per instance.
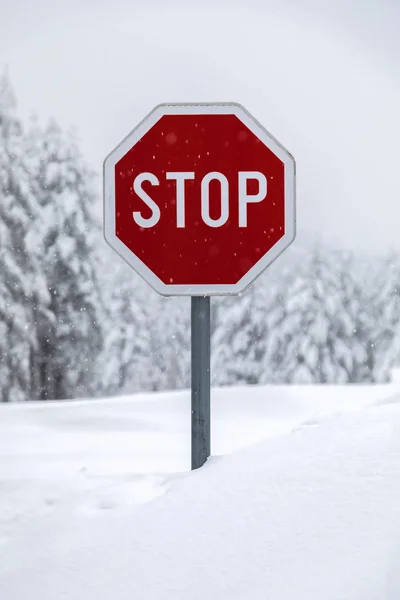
(97, 503)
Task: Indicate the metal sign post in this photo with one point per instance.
(201, 334)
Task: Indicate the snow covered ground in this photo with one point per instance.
(96, 502)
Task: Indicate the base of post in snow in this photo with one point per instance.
(201, 346)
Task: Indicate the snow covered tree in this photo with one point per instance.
(232, 315)
(386, 285)
(282, 326)
(171, 343)
(127, 358)
(23, 295)
(320, 333)
(359, 304)
(147, 337)
(69, 346)
(238, 342)
(250, 342)
(309, 320)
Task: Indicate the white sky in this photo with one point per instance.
(322, 76)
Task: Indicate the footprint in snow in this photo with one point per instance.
(127, 493)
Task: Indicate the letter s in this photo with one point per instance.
(137, 187)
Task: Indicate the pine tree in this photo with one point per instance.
(359, 316)
(238, 342)
(320, 333)
(386, 285)
(307, 320)
(282, 323)
(127, 360)
(171, 343)
(70, 345)
(23, 294)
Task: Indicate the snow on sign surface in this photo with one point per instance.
(199, 199)
(309, 515)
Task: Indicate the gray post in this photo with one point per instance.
(200, 380)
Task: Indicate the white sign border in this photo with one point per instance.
(109, 198)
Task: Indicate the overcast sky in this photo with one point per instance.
(323, 77)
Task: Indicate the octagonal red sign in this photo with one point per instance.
(199, 199)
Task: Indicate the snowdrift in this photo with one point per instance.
(313, 514)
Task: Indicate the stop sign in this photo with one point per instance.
(199, 199)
